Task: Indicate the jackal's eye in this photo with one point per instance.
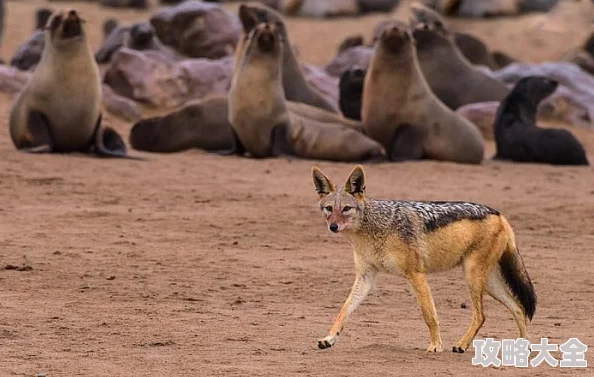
(328, 208)
(346, 208)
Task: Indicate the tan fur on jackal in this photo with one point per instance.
(417, 238)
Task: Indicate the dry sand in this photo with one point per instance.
(199, 265)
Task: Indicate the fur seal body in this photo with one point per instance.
(59, 110)
(453, 79)
(202, 124)
(295, 85)
(519, 139)
(409, 121)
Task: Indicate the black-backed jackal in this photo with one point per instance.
(417, 238)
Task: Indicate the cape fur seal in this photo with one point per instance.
(257, 110)
(59, 109)
(201, 124)
(204, 124)
(453, 79)
(262, 122)
(518, 138)
(351, 92)
(295, 86)
(400, 111)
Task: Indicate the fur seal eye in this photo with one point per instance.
(346, 208)
(328, 208)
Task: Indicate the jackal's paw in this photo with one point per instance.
(434, 348)
(456, 349)
(327, 342)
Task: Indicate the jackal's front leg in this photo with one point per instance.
(418, 282)
(361, 287)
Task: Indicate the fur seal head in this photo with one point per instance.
(251, 16)
(428, 27)
(267, 40)
(63, 27)
(396, 38)
(535, 88)
(141, 35)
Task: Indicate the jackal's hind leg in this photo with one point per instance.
(419, 284)
(476, 278)
(360, 289)
(497, 288)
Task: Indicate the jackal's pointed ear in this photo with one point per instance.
(355, 183)
(321, 182)
(248, 19)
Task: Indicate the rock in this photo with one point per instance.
(320, 80)
(153, 78)
(120, 106)
(198, 30)
(482, 115)
(206, 77)
(318, 8)
(12, 80)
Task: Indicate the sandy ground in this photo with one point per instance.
(193, 264)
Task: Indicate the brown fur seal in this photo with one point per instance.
(400, 111)
(262, 122)
(201, 124)
(295, 85)
(59, 110)
(453, 79)
(204, 124)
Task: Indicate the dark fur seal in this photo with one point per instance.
(519, 139)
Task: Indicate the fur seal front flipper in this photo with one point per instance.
(280, 141)
(408, 143)
(40, 140)
(106, 142)
(236, 149)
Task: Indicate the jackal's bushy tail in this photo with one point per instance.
(516, 277)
